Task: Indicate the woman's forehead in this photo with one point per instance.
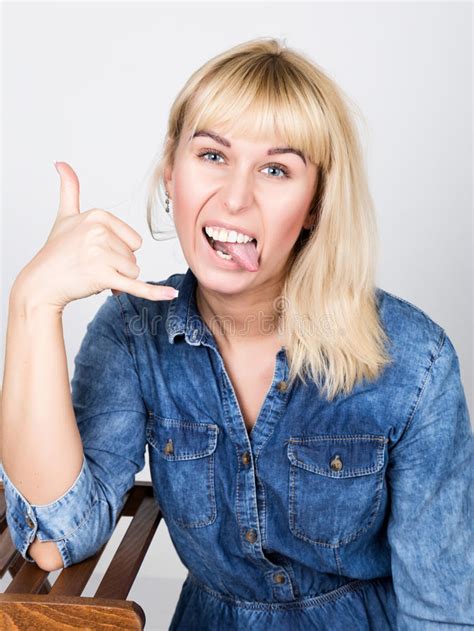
(229, 134)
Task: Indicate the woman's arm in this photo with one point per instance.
(431, 526)
(41, 449)
(110, 416)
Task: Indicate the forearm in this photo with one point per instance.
(41, 447)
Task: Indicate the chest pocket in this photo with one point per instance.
(182, 466)
(335, 486)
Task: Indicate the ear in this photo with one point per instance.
(309, 220)
(168, 178)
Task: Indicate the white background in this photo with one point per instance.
(92, 83)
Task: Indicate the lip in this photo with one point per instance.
(227, 226)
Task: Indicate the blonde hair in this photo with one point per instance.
(328, 301)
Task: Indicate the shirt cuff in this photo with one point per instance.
(55, 521)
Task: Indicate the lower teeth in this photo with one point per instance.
(224, 256)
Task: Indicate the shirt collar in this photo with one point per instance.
(183, 317)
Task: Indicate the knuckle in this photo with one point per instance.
(97, 231)
(94, 252)
(94, 214)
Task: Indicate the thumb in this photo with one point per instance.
(69, 189)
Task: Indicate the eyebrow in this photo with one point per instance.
(226, 143)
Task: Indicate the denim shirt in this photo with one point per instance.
(351, 514)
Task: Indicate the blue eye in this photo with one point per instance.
(212, 153)
(278, 167)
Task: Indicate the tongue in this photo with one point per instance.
(245, 254)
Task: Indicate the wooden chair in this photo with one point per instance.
(31, 603)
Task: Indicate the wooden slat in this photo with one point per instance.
(8, 552)
(29, 580)
(128, 558)
(73, 579)
(30, 602)
(3, 508)
(141, 489)
(34, 612)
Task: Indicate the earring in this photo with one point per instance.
(167, 203)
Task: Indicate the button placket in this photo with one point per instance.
(281, 584)
(245, 459)
(251, 535)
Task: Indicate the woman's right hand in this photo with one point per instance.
(85, 253)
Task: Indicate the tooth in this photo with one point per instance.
(227, 236)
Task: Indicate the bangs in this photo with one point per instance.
(259, 101)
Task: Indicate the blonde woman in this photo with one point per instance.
(308, 432)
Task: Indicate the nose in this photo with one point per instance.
(237, 194)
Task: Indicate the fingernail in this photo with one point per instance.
(171, 293)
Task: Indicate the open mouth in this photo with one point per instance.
(238, 255)
(212, 242)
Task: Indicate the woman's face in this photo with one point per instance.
(233, 181)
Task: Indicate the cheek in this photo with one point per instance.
(186, 203)
(285, 226)
(183, 193)
(190, 190)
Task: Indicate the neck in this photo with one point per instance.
(240, 320)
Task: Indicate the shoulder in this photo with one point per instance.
(415, 337)
(140, 315)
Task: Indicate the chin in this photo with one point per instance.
(221, 281)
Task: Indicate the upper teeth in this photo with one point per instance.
(231, 236)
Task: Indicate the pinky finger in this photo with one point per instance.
(141, 289)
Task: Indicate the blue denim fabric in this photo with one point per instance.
(354, 514)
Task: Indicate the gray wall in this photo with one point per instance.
(91, 84)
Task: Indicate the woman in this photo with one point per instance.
(308, 432)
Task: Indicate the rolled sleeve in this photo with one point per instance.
(111, 417)
(430, 528)
(56, 521)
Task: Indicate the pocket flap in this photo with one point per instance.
(176, 439)
(338, 456)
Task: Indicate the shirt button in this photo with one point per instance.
(245, 457)
(251, 535)
(282, 385)
(169, 447)
(194, 335)
(29, 522)
(279, 578)
(336, 463)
